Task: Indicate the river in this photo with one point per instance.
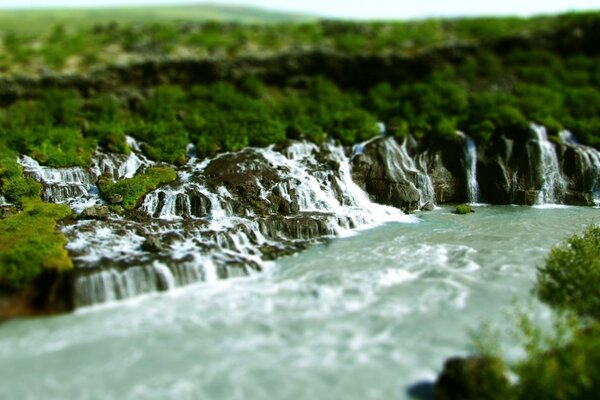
(365, 316)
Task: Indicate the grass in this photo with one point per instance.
(30, 243)
(43, 20)
(131, 191)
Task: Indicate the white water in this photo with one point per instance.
(363, 317)
(201, 235)
(403, 168)
(471, 169)
(553, 184)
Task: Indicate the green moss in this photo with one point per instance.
(131, 191)
(62, 147)
(30, 243)
(463, 209)
(164, 141)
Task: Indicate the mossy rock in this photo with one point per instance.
(129, 192)
(464, 209)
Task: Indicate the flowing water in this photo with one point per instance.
(365, 316)
(553, 184)
(471, 168)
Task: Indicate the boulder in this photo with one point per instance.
(152, 245)
(95, 212)
(382, 178)
(427, 207)
(472, 378)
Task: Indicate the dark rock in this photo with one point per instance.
(243, 173)
(371, 171)
(446, 167)
(152, 245)
(95, 212)
(306, 226)
(427, 207)
(472, 378)
(50, 293)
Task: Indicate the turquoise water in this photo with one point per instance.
(361, 317)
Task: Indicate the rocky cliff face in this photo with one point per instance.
(531, 171)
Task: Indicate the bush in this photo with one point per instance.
(570, 279)
(567, 371)
(473, 378)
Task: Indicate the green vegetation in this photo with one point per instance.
(43, 20)
(13, 186)
(129, 192)
(562, 365)
(463, 209)
(488, 92)
(30, 242)
(474, 378)
(570, 280)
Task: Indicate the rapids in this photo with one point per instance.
(361, 317)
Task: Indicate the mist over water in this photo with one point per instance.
(360, 317)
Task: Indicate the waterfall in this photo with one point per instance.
(471, 168)
(553, 184)
(590, 159)
(202, 231)
(119, 166)
(404, 168)
(71, 186)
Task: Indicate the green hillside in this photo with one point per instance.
(38, 20)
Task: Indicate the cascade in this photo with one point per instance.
(62, 185)
(553, 184)
(590, 159)
(403, 167)
(200, 233)
(471, 168)
(119, 165)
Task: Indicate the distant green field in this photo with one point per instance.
(38, 20)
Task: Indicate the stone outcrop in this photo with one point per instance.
(527, 171)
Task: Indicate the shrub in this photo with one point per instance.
(564, 366)
(570, 278)
(473, 378)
